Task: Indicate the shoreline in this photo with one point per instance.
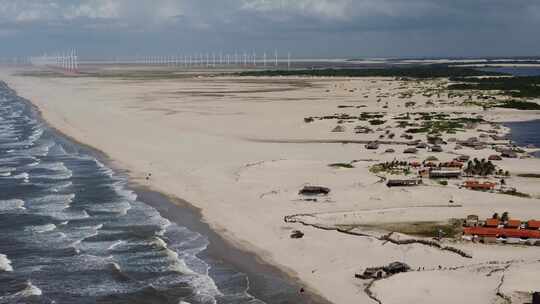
(260, 273)
(193, 146)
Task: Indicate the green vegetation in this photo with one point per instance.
(519, 105)
(376, 122)
(480, 167)
(518, 87)
(433, 71)
(393, 167)
(443, 183)
(439, 123)
(516, 193)
(425, 229)
(529, 175)
(341, 165)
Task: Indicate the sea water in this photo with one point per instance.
(71, 231)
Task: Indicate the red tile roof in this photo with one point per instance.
(500, 232)
(492, 222)
(533, 224)
(513, 223)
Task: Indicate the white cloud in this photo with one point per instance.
(332, 9)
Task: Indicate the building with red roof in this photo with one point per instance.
(533, 224)
(502, 232)
(513, 224)
(492, 223)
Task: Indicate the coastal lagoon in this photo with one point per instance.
(525, 133)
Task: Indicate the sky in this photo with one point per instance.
(306, 28)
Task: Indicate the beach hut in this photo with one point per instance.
(339, 128)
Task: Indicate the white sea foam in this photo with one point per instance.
(119, 188)
(23, 175)
(116, 244)
(30, 290)
(41, 228)
(10, 205)
(5, 263)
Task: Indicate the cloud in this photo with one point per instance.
(323, 26)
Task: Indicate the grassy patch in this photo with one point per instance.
(377, 122)
(432, 71)
(529, 175)
(424, 229)
(519, 105)
(518, 87)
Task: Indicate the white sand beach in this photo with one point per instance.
(238, 149)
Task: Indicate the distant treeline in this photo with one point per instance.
(434, 71)
(518, 87)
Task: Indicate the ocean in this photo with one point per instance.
(525, 133)
(515, 71)
(72, 231)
